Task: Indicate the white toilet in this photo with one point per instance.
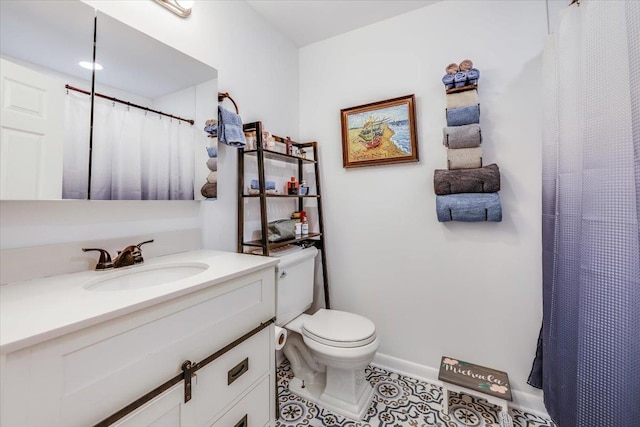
(328, 350)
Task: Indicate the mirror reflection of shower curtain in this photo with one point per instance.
(136, 155)
(75, 175)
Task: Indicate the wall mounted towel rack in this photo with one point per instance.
(225, 95)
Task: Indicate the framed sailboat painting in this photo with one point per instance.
(379, 133)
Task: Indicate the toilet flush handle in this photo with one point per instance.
(283, 274)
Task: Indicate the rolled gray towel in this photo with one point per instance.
(212, 164)
(480, 180)
(467, 136)
(464, 158)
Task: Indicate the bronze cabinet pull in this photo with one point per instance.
(237, 371)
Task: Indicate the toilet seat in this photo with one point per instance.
(339, 329)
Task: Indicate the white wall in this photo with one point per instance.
(256, 65)
(467, 290)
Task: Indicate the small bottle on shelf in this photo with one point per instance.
(303, 190)
(305, 223)
(292, 186)
(289, 146)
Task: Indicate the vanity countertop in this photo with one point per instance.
(37, 310)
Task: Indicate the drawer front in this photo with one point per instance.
(251, 411)
(226, 378)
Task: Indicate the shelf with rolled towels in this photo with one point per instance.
(465, 191)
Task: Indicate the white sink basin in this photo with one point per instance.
(138, 277)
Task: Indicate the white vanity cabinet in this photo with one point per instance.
(83, 377)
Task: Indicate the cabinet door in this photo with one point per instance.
(166, 410)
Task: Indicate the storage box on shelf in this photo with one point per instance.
(274, 149)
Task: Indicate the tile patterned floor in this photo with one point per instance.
(398, 401)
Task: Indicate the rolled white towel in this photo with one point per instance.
(464, 158)
(212, 178)
(462, 99)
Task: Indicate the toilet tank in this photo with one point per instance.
(294, 284)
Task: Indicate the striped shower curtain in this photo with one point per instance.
(591, 205)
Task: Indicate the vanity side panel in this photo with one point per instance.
(15, 378)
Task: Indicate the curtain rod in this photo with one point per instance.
(111, 98)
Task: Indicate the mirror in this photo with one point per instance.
(136, 153)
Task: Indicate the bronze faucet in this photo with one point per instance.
(130, 255)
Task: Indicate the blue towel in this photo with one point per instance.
(268, 185)
(230, 130)
(212, 151)
(463, 116)
(473, 75)
(211, 130)
(448, 81)
(469, 207)
(460, 79)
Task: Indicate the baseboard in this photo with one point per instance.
(521, 399)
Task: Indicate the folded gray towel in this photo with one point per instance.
(481, 180)
(464, 158)
(462, 99)
(467, 136)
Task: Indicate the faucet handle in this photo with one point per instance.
(144, 243)
(137, 252)
(105, 259)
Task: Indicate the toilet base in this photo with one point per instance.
(315, 392)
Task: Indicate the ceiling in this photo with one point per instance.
(308, 21)
(44, 35)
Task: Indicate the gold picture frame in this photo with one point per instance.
(379, 133)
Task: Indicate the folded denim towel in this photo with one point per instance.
(469, 207)
(462, 99)
(212, 164)
(473, 75)
(464, 158)
(212, 178)
(480, 180)
(212, 151)
(230, 130)
(460, 79)
(209, 190)
(448, 81)
(463, 116)
(467, 136)
(268, 185)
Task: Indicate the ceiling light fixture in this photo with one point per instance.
(88, 65)
(182, 8)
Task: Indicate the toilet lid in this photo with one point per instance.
(339, 329)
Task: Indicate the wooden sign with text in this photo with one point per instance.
(475, 377)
